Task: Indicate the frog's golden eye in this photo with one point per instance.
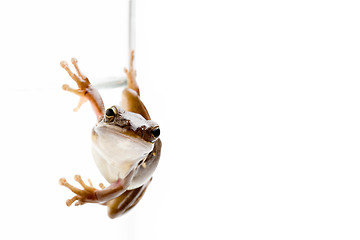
(110, 114)
(155, 132)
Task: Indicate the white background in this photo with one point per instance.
(258, 103)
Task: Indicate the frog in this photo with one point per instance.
(125, 145)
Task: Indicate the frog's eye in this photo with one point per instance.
(110, 114)
(155, 132)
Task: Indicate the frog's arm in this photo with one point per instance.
(86, 92)
(131, 75)
(130, 100)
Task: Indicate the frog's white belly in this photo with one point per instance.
(116, 154)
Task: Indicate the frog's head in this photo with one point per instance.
(121, 140)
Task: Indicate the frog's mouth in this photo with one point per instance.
(116, 152)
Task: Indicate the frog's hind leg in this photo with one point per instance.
(126, 201)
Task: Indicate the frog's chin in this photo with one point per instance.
(116, 153)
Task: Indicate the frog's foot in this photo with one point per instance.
(85, 91)
(86, 195)
(131, 75)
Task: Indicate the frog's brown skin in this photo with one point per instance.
(123, 193)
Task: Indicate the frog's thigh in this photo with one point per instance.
(131, 102)
(126, 201)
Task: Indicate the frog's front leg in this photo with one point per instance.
(126, 201)
(131, 75)
(89, 194)
(130, 100)
(86, 92)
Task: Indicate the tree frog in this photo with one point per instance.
(125, 145)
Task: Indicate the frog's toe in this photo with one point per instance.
(74, 60)
(65, 87)
(72, 200)
(64, 64)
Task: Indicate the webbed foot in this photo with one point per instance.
(85, 91)
(85, 195)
